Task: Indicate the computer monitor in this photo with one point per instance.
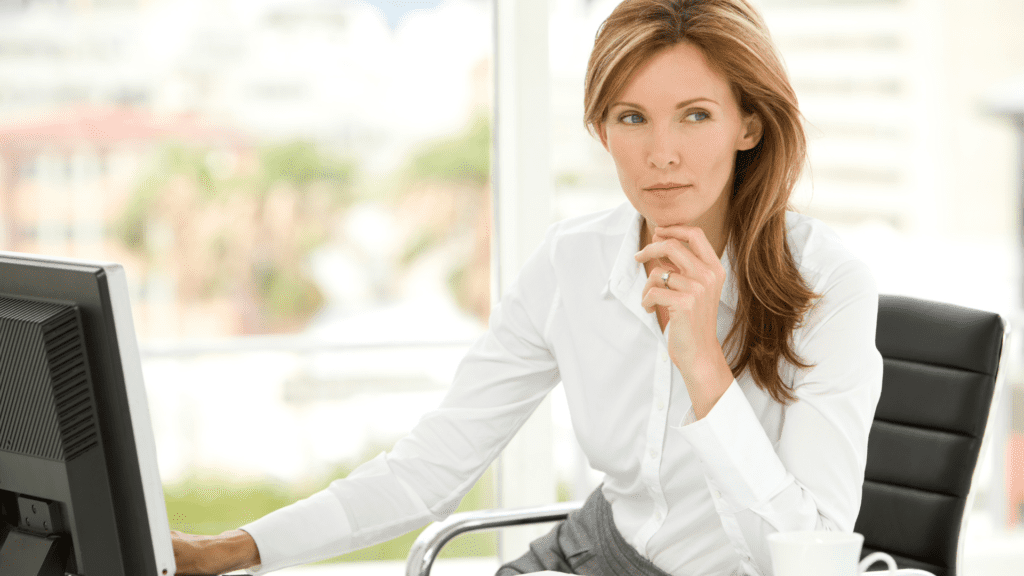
(80, 492)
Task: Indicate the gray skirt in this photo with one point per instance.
(587, 542)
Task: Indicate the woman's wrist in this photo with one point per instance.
(707, 384)
(239, 550)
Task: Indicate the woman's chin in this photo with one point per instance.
(666, 220)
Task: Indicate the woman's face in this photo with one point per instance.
(674, 133)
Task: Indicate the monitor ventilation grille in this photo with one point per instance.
(46, 402)
(72, 393)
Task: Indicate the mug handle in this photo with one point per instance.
(876, 557)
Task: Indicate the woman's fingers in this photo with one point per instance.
(681, 292)
(695, 274)
(682, 261)
(656, 272)
(671, 251)
(694, 237)
(685, 247)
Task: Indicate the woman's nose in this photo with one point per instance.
(663, 152)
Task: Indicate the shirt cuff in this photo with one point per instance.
(310, 529)
(738, 458)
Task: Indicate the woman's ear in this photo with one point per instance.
(751, 133)
(602, 133)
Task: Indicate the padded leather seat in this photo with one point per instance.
(941, 363)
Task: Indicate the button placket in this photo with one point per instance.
(735, 534)
(658, 417)
(662, 387)
(656, 428)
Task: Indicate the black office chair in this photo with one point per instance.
(941, 366)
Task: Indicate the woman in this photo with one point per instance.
(717, 351)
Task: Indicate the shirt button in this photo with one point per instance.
(653, 453)
(658, 515)
(663, 356)
(716, 494)
(661, 404)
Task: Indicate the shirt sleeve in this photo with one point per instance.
(813, 477)
(499, 383)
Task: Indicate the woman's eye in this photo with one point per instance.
(625, 118)
(700, 116)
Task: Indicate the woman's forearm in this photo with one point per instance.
(197, 554)
(239, 550)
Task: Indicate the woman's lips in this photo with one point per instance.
(665, 186)
(662, 190)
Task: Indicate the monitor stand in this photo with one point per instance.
(28, 554)
(34, 547)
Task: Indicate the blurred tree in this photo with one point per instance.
(447, 198)
(464, 158)
(239, 225)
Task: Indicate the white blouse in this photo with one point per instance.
(697, 498)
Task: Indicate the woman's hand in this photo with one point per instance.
(691, 301)
(231, 550)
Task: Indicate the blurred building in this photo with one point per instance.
(91, 89)
(67, 176)
(333, 72)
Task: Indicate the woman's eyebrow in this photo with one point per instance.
(682, 104)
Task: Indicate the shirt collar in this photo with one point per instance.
(626, 270)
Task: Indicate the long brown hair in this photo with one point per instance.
(772, 296)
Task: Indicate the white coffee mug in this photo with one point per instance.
(819, 553)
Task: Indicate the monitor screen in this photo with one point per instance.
(80, 492)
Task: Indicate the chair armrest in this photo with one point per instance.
(429, 543)
(900, 572)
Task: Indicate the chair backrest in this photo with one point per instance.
(941, 363)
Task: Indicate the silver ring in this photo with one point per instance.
(664, 278)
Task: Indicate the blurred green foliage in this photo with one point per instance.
(563, 491)
(568, 179)
(300, 164)
(286, 294)
(465, 157)
(239, 224)
(457, 168)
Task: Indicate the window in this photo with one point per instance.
(299, 193)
